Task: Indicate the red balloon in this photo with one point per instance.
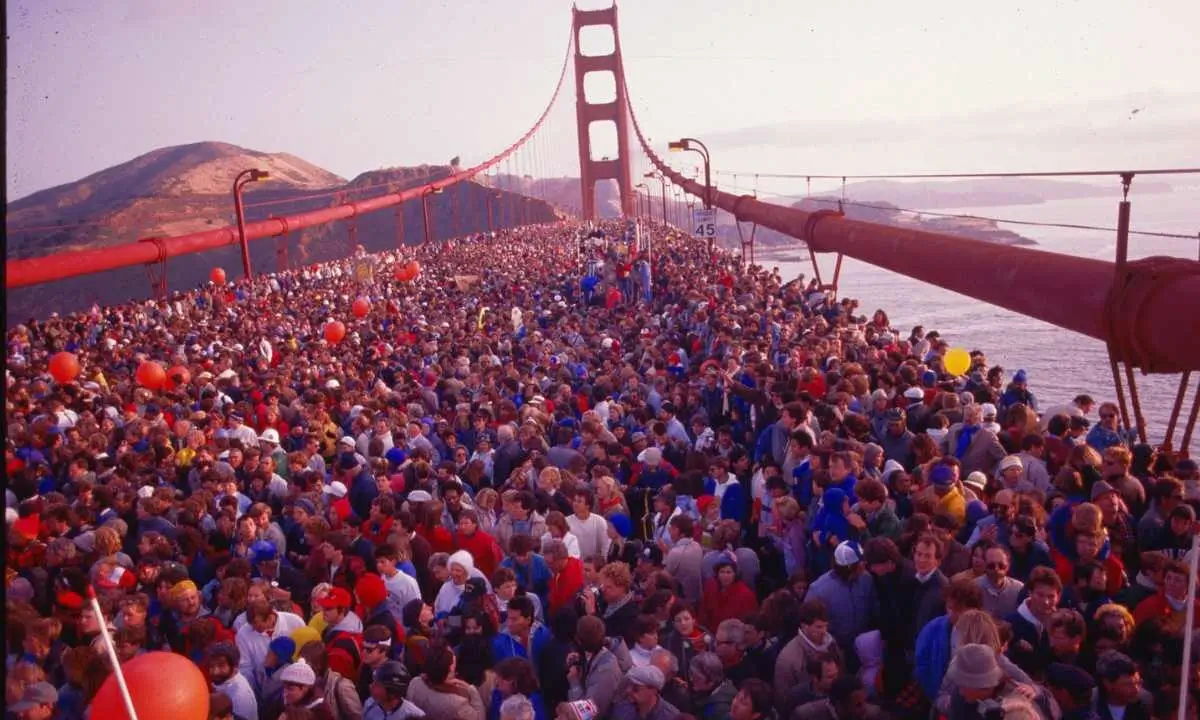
(414, 269)
(151, 375)
(360, 308)
(178, 377)
(161, 685)
(217, 275)
(334, 332)
(64, 367)
(402, 273)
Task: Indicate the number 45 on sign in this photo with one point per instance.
(704, 223)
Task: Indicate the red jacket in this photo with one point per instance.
(736, 602)
(1065, 567)
(1157, 606)
(484, 550)
(566, 585)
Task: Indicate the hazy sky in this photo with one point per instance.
(847, 87)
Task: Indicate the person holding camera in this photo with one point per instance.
(593, 671)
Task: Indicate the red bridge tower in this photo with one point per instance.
(587, 113)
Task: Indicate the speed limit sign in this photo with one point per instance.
(704, 223)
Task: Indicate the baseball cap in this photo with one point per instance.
(847, 553)
(337, 598)
(336, 489)
(1101, 488)
(42, 693)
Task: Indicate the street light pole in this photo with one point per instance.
(694, 145)
(244, 177)
(425, 212)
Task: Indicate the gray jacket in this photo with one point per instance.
(598, 682)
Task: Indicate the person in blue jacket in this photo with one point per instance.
(724, 486)
(523, 636)
(515, 676)
(933, 649)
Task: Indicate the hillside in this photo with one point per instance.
(168, 191)
(187, 188)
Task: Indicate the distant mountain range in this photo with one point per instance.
(982, 192)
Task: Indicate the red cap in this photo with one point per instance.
(704, 502)
(70, 600)
(337, 598)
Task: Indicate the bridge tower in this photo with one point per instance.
(587, 113)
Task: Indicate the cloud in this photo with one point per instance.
(1164, 118)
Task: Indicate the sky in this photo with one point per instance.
(824, 88)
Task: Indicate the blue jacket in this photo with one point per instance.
(504, 645)
(933, 655)
(733, 502)
(535, 577)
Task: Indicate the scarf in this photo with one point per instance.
(965, 436)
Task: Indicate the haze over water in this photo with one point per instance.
(1060, 363)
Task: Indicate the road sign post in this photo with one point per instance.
(704, 224)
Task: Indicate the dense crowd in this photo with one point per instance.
(559, 476)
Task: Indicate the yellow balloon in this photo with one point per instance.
(957, 361)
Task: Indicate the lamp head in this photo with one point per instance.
(256, 175)
(678, 146)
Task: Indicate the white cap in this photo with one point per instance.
(347, 440)
(332, 384)
(989, 410)
(914, 393)
(145, 491)
(299, 673)
(419, 496)
(336, 489)
(270, 435)
(1009, 461)
(227, 375)
(847, 553)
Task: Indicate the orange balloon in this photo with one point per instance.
(401, 273)
(151, 375)
(178, 376)
(64, 367)
(217, 275)
(335, 331)
(161, 685)
(414, 269)
(360, 308)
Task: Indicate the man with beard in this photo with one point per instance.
(222, 660)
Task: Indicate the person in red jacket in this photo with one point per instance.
(483, 547)
(567, 578)
(1170, 602)
(726, 596)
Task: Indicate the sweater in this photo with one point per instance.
(592, 534)
(719, 604)
(565, 585)
(850, 604)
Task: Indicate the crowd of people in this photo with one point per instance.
(559, 476)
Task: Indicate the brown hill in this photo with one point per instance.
(184, 189)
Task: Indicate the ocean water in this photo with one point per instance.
(1060, 363)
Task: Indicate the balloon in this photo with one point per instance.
(64, 366)
(178, 376)
(412, 270)
(360, 308)
(401, 273)
(151, 375)
(217, 276)
(957, 361)
(334, 332)
(161, 685)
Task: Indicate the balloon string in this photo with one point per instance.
(112, 654)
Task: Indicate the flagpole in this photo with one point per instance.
(1189, 626)
(112, 653)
